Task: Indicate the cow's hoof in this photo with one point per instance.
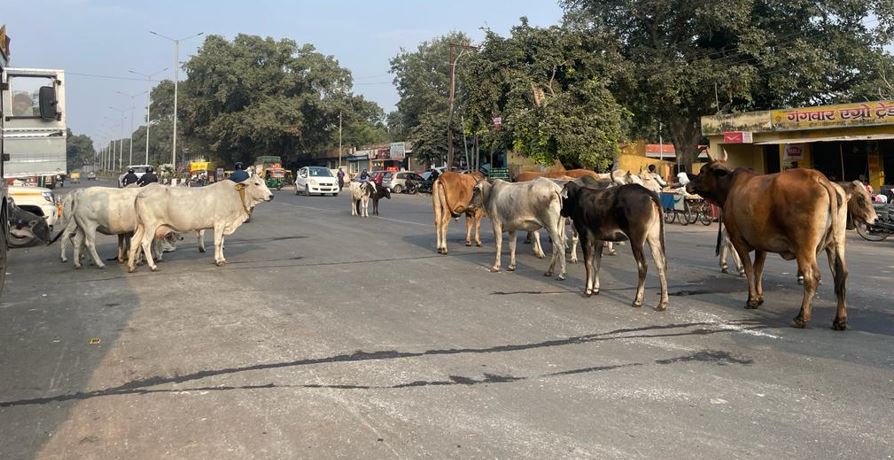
(510, 268)
(661, 307)
(540, 256)
(220, 263)
(800, 280)
(154, 268)
(77, 267)
(528, 241)
(548, 273)
(64, 260)
(468, 244)
(478, 244)
(131, 269)
(494, 269)
(839, 324)
(613, 253)
(101, 266)
(724, 270)
(202, 250)
(637, 304)
(799, 323)
(752, 304)
(560, 277)
(574, 261)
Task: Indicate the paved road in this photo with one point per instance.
(333, 336)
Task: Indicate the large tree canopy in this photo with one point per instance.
(687, 58)
(78, 150)
(550, 87)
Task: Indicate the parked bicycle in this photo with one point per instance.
(685, 209)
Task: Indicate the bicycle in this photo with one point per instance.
(701, 211)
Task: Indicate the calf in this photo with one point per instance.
(381, 192)
(796, 213)
(616, 214)
(523, 206)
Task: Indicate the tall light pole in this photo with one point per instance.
(132, 107)
(453, 96)
(176, 79)
(339, 139)
(148, 103)
(121, 139)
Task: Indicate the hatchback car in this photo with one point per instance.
(397, 181)
(315, 179)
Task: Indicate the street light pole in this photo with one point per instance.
(121, 139)
(452, 97)
(339, 139)
(132, 107)
(148, 103)
(176, 80)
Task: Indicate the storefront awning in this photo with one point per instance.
(807, 140)
(362, 157)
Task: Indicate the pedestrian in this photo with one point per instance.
(657, 176)
(239, 174)
(148, 177)
(341, 179)
(129, 178)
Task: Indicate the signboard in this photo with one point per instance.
(738, 137)
(834, 116)
(398, 150)
(198, 166)
(382, 154)
(793, 152)
(498, 173)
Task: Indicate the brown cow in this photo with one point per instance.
(795, 213)
(450, 197)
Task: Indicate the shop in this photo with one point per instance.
(845, 142)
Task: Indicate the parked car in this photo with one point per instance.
(37, 200)
(315, 179)
(91, 175)
(397, 181)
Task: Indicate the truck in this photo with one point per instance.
(32, 131)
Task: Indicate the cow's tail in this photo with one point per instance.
(657, 201)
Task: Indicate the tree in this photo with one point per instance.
(79, 150)
(688, 58)
(422, 78)
(550, 87)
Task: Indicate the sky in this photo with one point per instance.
(93, 38)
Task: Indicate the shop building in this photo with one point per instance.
(845, 142)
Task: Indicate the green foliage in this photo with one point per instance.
(422, 78)
(78, 151)
(683, 57)
(549, 87)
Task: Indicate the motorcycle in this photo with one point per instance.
(882, 228)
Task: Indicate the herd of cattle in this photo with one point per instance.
(796, 214)
(145, 219)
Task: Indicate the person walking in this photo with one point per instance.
(341, 179)
(239, 174)
(147, 178)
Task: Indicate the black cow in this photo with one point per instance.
(617, 214)
(381, 192)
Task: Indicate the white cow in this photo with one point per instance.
(527, 206)
(67, 223)
(222, 207)
(109, 211)
(360, 193)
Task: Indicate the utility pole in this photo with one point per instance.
(453, 62)
(148, 77)
(339, 139)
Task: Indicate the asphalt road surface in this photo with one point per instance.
(334, 336)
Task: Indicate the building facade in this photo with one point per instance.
(844, 142)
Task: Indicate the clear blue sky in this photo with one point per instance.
(105, 37)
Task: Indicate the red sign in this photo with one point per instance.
(737, 137)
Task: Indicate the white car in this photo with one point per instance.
(38, 200)
(315, 179)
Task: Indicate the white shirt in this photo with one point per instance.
(683, 178)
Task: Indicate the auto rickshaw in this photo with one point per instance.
(270, 168)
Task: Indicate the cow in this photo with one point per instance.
(360, 193)
(67, 224)
(27, 225)
(450, 197)
(221, 207)
(616, 214)
(523, 206)
(381, 192)
(109, 211)
(796, 213)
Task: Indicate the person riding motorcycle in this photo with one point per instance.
(147, 178)
(239, 174)
(364, 176)
(129, 178)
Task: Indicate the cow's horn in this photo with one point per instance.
(725, 155)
